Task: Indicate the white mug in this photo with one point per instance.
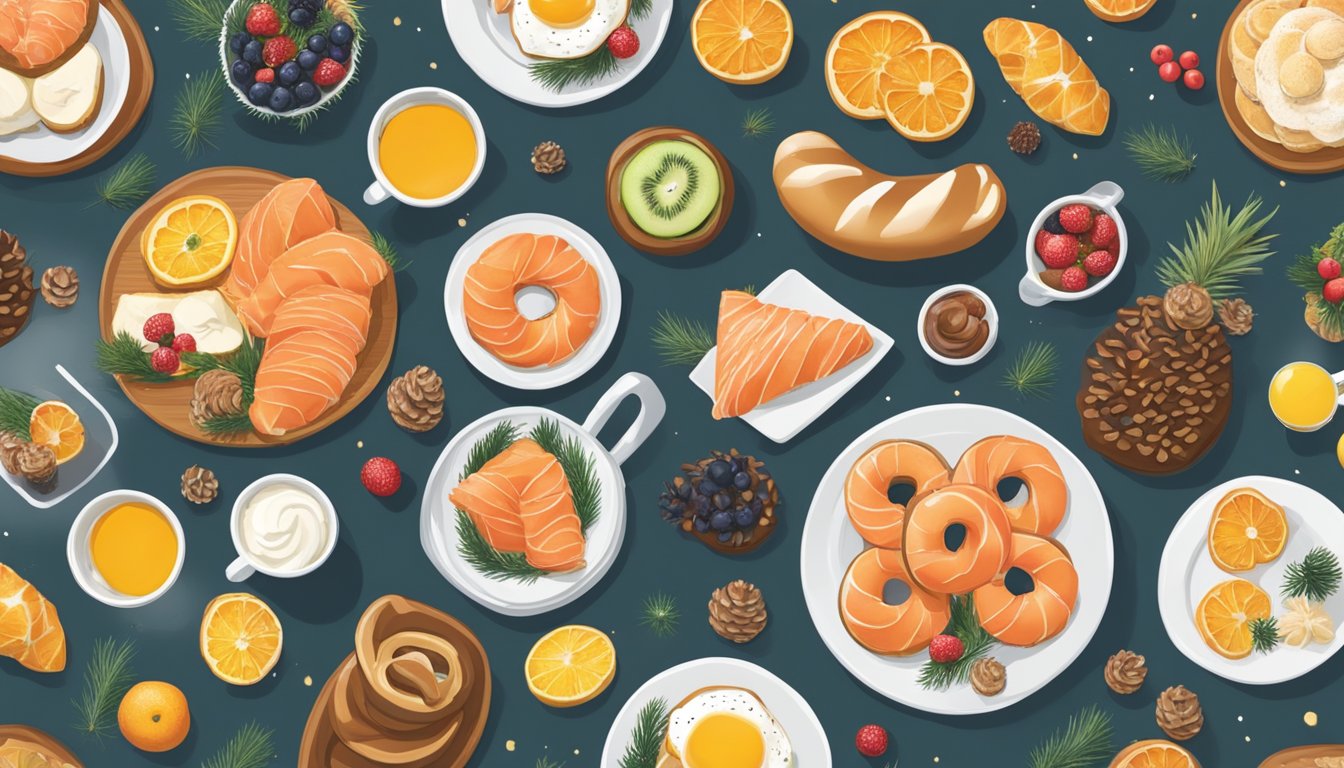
(382, 189)
(242, 568)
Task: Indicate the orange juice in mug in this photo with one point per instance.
(1305, 396)
(426, 148)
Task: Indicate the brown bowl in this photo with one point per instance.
(661, 246)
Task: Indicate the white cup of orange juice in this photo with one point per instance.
(1304, 396)
(426, 148)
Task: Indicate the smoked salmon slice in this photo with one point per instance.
(36, 36)
(293, 211)
(331, 258)
(30, 630)
(765, 350)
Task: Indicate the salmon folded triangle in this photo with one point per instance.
(293, 211)
(765, 350)
(30, 630)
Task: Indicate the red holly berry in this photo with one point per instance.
(1076, 218)
(165, 360)
(1189, 60)
(1327, 268)
(1073, 280)
(1161, 54)
(1099, 263)
(623, 43)
(264, 75)
(263, 20)
(871, 741)
(328, 73)
(1059, 251)
(158, 328)
(278, 50)
(1169, 72)
(1103, 232)
(946, 649)
(1333, 291)
(380, 476)
(1194, 79)
(184, 342)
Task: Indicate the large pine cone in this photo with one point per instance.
(737, 611)
(415, 399)
(217, 393)
(1179, 713)
(16, 288)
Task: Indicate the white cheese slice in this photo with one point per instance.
(203, 314)
(16, 103)
(67, 97)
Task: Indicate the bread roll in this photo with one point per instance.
(67, 98)
(853, 208)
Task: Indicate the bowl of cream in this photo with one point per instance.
(282, 526)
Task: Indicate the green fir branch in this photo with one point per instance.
(252, 747)
(388, 251)
(107, 678)
(646, 740)
(1302, 272)
(579, 466)
(197, 115)
(660, 614)
(128, 184)
(1316, 576)
(965, 626)
(1160, 153)
(228, 425)
(757, 123)
(1264, 634)
(488, 561)
(1084, 742)
(16, 412)
(123, 356)
(1032, 373)
(199, 19)
(1220, 248)
(546, 762)
(680, 341)
(559, 74)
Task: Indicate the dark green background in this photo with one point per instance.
(379, 550)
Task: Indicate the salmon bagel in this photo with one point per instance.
(982, 553)
(891, 630)
(1032, 617)
(878, 519)
(994, 459)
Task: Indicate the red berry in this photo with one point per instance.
(1169, 72)
(380, 476)
(1103, 232)
(945, 649)
(1333, 291)
(1041, 236)
(871, 741)
(1059, 251)
(184, 342)
(1327, 268)
(158, 328)
(264, 75)
(1161, 54)
(1099, 263)
(263, 20)
(623, 43)
(165, 360)
(1076, 218)
(1189, 60)
(1073, 280)
(328, 73)
(1194, 79)
(278, 50)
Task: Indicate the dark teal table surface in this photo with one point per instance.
(379, 550)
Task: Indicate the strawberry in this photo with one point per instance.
(1328, 268)
(1333, 291)
(165, 360)
(263, 20)
(946, 649)
(1073, 280)
(1103, 232)
(1040, 239)
(1059, 251)
(623, 43)
(1099, 263)
(265, 75)
(1076, 218)
(159, 327)
(278, 50)
(380, 476)
(328, 73)
(184, 342)
(871, 741)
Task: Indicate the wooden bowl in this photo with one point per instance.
(33, 736)
(659, 246)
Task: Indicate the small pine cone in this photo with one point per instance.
(60, 286)
(988, 677)
(548, 157)
(1315, 322)
(199, 485)
(217, 393)
(37, 464)
(1189, 306)
(1179, 713)
(737, 611)
(1236, 316)
(10, 446)
(415, 399)
(1025, 138)
(1125, 672)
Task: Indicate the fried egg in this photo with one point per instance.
(726, 728)
(565, 29)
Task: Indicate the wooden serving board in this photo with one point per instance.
(1326, 160)
(125, 272)
(137, 98)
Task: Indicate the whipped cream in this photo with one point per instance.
(284, 528)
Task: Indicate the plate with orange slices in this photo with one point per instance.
(1245, 587)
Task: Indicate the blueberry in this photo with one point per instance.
(302, 17)
(338, 53)
(238, 42)
(744, 518)
(708, 487)
(317, 43)
(721, 521)
(684, 491)
(289, 73)
(260, 93)
(341, 33)
(721, 472)
(252, 53)
(1052, 224)
(701, 525)
(308, 60)
(282, 99)
(723, 500)
(305, 93)
(241, 72)
(725, 537)
(741, 481)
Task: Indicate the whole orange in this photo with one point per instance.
(153, 716)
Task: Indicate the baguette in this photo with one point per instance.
(853, 208)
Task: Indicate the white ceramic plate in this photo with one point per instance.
(784, 417)
(1187, 573)
(795, 716)
(484, 41)
(43, 145)
(830, 543)
(534, 304)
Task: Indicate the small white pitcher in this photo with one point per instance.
(1105, 196)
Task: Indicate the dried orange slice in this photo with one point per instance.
(927, 91)
(570, 665)
(1049, 75)
(860, 51)
(742, 41)
(190, 241)
(57, 426)
(1119, 10)
(1154, 753)
(1247, 529)
(1225, 614)
(240, 638)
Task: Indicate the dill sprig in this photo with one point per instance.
(965, 626)
(680, 341)
(559, 74)
(1033, 371)
(16, 412)
(1264, 634)
(1220, 248)
(1315, 577)
(197, 114)
(757, 123)
(106, 679)
(660, 614)
(1085, 741)
(199, 19)
(1160, 153)
(129, 183)
(388, 251)
(251, 747)
(647, 738)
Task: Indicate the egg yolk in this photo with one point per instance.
(563, 13)
(724, 740)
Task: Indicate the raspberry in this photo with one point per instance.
(278, 50)
(623, 43)
(266, 75)
(328, 73)
(871, 741)
(946, 649)
(1073, 280)
(1076, 218)
(1103, 232)
(263, 20)
(1099, 263)
(1059, 251)
(184, 342)
(165, 360)
(158, 328)
(381, 476)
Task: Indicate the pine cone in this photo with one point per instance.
(988, 677)
(1179, 713)
(737, 611)
(415, 399)
(1314, 320)
(37, 464)
(548, 157)
(60, 286)
(1236, 316)
(10, 446)
(1025, 138)
(199, 485)
(217, 393)
(16, 288)
(1189, 306)
(1125, 672)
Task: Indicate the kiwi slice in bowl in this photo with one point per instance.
(669, 188)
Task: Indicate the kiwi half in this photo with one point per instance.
(670, 188)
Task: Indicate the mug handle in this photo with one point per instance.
(376, 193)
(1031, 293)
(1339, 386)
(1108, 194)
(239, 570)
(651, 410)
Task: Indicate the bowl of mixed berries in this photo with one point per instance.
(289, 58)
(1076, 247)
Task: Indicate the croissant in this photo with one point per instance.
(853, 208)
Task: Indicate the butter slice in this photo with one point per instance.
(16, 103)
(67, 97)
(203, 314)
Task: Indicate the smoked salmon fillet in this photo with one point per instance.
(331, 258)
(766, 350)
(292, 212)
(30, 630)
(37, 36)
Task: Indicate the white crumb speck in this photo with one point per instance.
(510, 745)
(308, 680)
(1240, 718)
(1151, 96)
(956, 393)
(359, 443)
(1089, 38)
(156, 27)
(1248, 739)
(1282, 183)
(1075, 155)
(433, 65)
(888, 398)
(396, 21)
(461, 222)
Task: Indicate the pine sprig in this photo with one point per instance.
(1302, 272)
(1160, 153)
(559, 74)
(546, 762)
(757, 123)
(123, 356)
(580, 469)
(1084, 742)
(1316, 576)
(128, 184)
(1264, 634)
(252, 747)
(16, 412)
(197, 114)
(647, 738)
(1032, 373)
(965, 626)
(388, 251)
(106, 679)
(660, 614)
(199, 19)
(1220, 248)
(680, 341)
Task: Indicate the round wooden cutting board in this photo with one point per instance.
(1326, 160)
(168, 404)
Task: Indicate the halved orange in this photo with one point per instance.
(57, 426)
(1154, 753)
(742, 41)
(1119, 10)
(927, 91)
(190, 241)
(570, 665)
(860, 51)
(1247, 529)
(1225, 614)
(240, 638)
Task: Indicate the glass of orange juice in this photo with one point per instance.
(1305, 396)
(426, 148)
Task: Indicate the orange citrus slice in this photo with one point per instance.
(742, 41)
(190, 241)
(1119, 10)
(927, 91)
(57, 426)
(570, 665)
(1154, 753)
(1225, 614)
(1247, 529)
(1049, 75)
(860, 51)
(240, 638)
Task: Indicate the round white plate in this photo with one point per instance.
(795, 716)
(1187, 573)
(43, 145)
(830, 543)
(484, 41)
(577, 364)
